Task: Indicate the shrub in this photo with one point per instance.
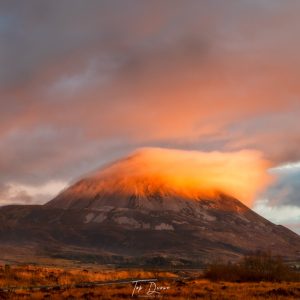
(255, 268)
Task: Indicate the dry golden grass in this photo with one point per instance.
(26, 276)
(64, 280)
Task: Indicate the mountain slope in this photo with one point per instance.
(203, 234)
(123, 214)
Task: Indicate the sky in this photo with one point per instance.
(85, 82)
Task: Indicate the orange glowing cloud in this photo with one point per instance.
(178, 173)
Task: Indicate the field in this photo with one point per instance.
(40, 282)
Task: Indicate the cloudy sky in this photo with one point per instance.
(86, 82)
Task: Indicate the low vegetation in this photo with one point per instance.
(178, 290)
(257, 277)
(255, 268)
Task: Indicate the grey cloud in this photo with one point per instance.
(51, 153)
(286, 189)
(40, 33)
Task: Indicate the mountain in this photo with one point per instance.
(130, 212)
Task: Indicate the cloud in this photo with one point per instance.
(285, 214)
(84, 83)
(280, 202)
(286, 189)
(26, 194)
(191, 174)
(10, 196)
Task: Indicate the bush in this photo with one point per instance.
(255, 268)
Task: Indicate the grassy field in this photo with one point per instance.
(40, 282)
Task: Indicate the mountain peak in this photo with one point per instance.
(157, 178)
